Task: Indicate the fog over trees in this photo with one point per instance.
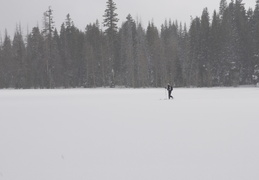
(221, 49)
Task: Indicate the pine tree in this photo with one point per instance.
(228, 54)
(155, 63)
(94, 56)
(222, 7)
(214, 50)
(48, 30)
(184, 55)
(142, 57)
(203, 63)
(128, 53)
(255, 35)
(57, 66)
(35, 59)
(195, 46)
(11, 65)
(66, 52)
(7, 68)
(245, 40)
(171, 60)
(19, 53)
(48, 23)
(110, 21)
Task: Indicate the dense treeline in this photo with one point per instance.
(221, 50)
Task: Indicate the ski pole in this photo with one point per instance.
(165, 93)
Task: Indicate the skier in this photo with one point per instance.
(169, 89)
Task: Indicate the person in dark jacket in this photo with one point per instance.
(169, 89)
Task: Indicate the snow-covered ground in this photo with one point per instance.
(129, 134)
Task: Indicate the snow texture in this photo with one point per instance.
(129, 134)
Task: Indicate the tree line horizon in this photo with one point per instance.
(221, 50)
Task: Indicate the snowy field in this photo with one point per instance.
(129, 134)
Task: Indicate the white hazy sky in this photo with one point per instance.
(30, 12)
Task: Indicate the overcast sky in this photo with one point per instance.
(30, 12)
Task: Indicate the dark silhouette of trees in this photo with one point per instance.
(221, 50)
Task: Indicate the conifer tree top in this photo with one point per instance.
(110, 18)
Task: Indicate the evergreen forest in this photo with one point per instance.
(221, 49)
